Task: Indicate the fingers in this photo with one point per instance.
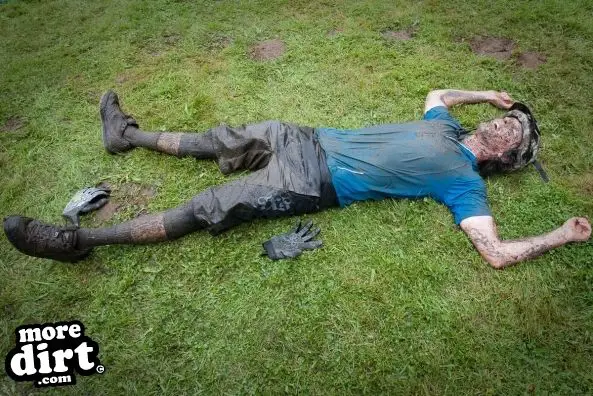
(296, 228)
(305, 228)
(312, 245)
(94, 206)
(583, 226)
(311, 234)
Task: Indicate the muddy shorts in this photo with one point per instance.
(290, 175)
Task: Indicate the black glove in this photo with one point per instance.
(84, 201)
(292, 243)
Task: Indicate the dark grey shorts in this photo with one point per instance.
(290, 175)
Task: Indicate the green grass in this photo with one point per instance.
(397, 301)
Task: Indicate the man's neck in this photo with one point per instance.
(477, 148)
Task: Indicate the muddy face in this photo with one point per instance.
(500, 135)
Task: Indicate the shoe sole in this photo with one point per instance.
(102, 106)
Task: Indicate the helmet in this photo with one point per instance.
(528, 149)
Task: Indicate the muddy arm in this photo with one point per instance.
(452, 97)
(499, 254)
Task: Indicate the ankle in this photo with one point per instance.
(138, 138)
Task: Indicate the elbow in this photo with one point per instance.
(496, 262)
(495, 258)
(436, 94)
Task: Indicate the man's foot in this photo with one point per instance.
(43, 240)
(114, 123)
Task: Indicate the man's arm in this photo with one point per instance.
(499, 254)
(452, 97)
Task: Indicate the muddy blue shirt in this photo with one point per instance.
(407, 160)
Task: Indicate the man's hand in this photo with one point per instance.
(502, 100)
(577, 229)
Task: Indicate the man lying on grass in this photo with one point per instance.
(299, 170)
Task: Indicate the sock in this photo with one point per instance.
(180, 144)
(159, 227)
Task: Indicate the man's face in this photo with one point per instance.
(500, 134)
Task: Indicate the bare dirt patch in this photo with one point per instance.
(498, 47)
(93, 97)
(531, 60)
(13, 124)
(107, 211)
(128, 196)
(121, 79)
(399, 35)
(582, 183)
(335, 32)
(218, 41)
(171, 38)
(136, 194)
(267, 50)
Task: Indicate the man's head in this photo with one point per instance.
(511, 142)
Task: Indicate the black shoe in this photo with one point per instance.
(43, 240)
(114, 123)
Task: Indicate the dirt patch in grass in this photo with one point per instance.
(399, 35)
(267, 50)
(531, 60)
(121, 79)
(218, 41)
(128, 196)
(582, 183)
(136, 194)
(335, 32)
(498, 47)
(171, 38)
(13, 124)
(93, 97)
(107, 211)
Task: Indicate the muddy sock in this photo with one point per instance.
(159, 227)
(180, 144)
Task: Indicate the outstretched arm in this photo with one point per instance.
(452, 97)
(499, 254)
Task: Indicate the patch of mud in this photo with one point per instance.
(582, 183)
(218, 42)
(399, 35)
(13, 124)
(136, 194)
(93, 97)
(171, 38)
(531, 60)
(128, 196)
(121, 79)
(498, 47)
(4, 158)
(107, 211)
(335, 32)
(267, 50)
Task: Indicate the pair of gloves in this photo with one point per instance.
(287, 245)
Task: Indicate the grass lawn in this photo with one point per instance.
(398, 301)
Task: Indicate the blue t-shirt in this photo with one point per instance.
(407, 160)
